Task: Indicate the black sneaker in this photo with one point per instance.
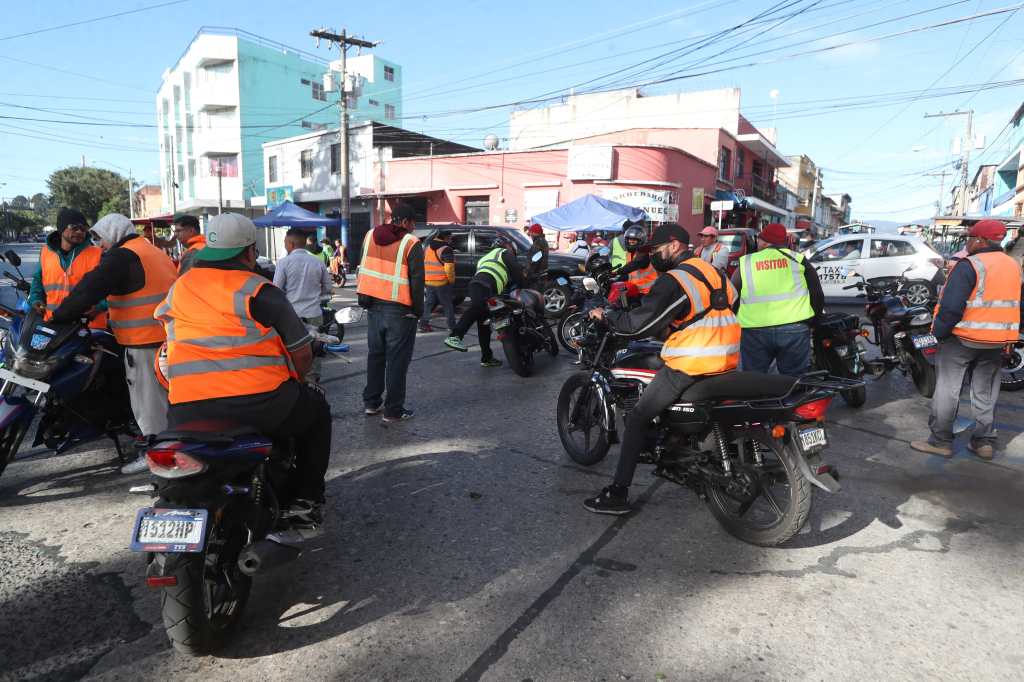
(490, 362)
(304, 515)
(404, 416)
(371, 410)
(611, 500)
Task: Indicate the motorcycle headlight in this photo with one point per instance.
(34, 369)
(921, 320)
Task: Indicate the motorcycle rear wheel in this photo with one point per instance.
(923, 374)
(581, 409)
(775, 500)
(515, 357)
(206, 605)
(1012, 373)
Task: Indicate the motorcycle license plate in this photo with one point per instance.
(812, 438)
(925, 341)
(502, 322)
(169, 530)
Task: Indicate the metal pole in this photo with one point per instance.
(131, 197)
(344, 179)
(220, 190)
(814, 199)
(965, 178)
(174, 194)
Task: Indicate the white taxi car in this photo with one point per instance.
(875, 256)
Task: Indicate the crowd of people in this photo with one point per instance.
(239, 346)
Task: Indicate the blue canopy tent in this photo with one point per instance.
(288, 214)
(589, 213)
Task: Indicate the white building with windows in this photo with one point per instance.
(230, 92)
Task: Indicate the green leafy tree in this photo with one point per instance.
(20, 203)
(40, 203)
(93, 191)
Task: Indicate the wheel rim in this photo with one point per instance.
(918, 294)
(586, 417)
(571, 331)
(761, 496)
(554, 300)
(1013, 365)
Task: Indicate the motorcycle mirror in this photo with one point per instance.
(13, 258)
(537, 257)
(349, 315)
(604, 252)
(590, 284)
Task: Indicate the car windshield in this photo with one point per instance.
(734, 242)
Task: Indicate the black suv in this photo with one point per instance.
(472, 242)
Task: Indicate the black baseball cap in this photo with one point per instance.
(403, 211)
(666, 232)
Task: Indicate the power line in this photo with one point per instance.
(90, 21)
(72, 73)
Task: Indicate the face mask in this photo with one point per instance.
(660, 263)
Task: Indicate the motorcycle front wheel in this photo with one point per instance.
(582, 419)
(10, 442)
(205, 606)
(764, 504)
(568, 330)
(1012, 376)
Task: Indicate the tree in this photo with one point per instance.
(93, 191)
(20, 203)
(40, 203)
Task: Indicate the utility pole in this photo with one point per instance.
(942, 189)
(814, 197)
(343, 41)
(965, 152)
(173, 188)
(131, 197)
(220, 188)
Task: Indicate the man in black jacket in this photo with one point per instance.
(496, 272)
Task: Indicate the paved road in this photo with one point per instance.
(458, 549)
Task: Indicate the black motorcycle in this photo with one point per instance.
(1012, 376)
(518, 318)
(902, 332)
(839, 351)
(215, 525)
(748, 444)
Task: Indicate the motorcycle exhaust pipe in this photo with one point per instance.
(266, 555)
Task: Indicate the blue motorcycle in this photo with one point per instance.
(69, 376)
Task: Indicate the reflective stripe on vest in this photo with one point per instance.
(710, 345)
(644, 278)
(58, 282)
(131, 315)
(774, 289)
(620, 256)
(214, 347)
(433, 268)
(992, 311)
(384, 272)
(494, 266)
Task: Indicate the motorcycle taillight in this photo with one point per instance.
(814, 410)
(168, 462)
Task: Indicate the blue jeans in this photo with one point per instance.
(788, 345)
(390, 337)
(443, 295)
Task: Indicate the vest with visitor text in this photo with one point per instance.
(774, 289)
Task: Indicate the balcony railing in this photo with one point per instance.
(759, 187)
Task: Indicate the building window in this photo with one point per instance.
(374, 103)
(304, 81)
(724, 162)
(318, 91)
(740, 162)
(389, 111)
(224, 166)
(272, 169)
(478, 211)
(757, 168)
(389, 73)
(335, 157)
(306, 163)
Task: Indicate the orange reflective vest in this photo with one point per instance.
(214, 347)
(992, 314)
(131, 315)
(435, 273)
(384, 270)
(195, 244)
(708, 338)
(58, 282)
(644, 278)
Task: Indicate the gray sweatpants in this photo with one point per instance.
(149, 398)
(951, 363)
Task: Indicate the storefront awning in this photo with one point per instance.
(764, 206)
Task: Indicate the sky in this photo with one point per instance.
(854, 79)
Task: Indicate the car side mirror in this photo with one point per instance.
(349, 315)
(590, 284)
(13, 258)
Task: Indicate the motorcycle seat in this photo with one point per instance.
(213, 431)
(739, 386)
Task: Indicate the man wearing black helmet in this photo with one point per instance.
(495, 273)
(691, 350)
(630, 257)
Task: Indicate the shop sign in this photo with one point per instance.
(537, 201)
(278, 195)
(697, 201)
(510, 216)
(591, 162)
(662, 206)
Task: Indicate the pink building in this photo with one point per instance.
(509, 187)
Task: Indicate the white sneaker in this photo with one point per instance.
(136, 466)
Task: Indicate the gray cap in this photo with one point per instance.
(227, 235)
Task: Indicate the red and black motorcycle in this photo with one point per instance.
(749, 444)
